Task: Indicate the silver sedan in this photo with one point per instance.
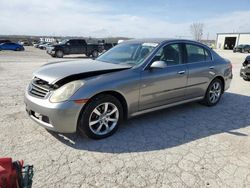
(135, 77)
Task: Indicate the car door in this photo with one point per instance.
(200, 65)
(70, 47)
(75, 47)
(82, 47)
(78, 48)
(160, 86)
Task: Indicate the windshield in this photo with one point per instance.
(129, 53)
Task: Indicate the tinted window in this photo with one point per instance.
(82, 42)
(208, 55)
(73, 42)
(171, 54)
(197, 54)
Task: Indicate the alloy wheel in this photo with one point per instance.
(104, 118)
(215, 92)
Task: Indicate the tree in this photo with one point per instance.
(197, 30)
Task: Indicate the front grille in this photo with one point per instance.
(39, 88)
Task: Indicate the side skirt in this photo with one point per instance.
(165, 106)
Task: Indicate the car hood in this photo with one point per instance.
(53, 72)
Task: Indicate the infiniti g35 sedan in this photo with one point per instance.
(134, 77)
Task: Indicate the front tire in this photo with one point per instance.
(101, 117)
(59, 54)
(214, 92)
(95, 54)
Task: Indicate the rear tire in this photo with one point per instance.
(214, 92)
(101, 117)
(59, 54)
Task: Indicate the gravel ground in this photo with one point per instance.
(185, 146)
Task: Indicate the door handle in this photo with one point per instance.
(181, 72)
(212, 67)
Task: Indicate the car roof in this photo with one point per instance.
(158, 40)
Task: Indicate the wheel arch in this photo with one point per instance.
(222, 80)
(115, 94)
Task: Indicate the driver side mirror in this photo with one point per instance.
(158, 65)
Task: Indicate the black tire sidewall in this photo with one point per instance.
(206, 100)
(90, 106)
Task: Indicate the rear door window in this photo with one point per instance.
(197, 53)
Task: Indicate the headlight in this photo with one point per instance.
(66, 91)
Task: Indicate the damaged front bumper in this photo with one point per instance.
(58, 117)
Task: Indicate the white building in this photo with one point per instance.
(229, 40)
(46, 39)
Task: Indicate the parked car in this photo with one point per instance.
(242, 48)
(74, 46)
(11, 46)
(44, 46)
(245, 69)
(4, 41)
(38, 44)
(24, 43)
(133, 78)
(34, 42)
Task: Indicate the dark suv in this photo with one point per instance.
(242, 48)
(74, 46)
(245, 69)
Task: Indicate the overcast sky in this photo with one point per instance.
(128, 18)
